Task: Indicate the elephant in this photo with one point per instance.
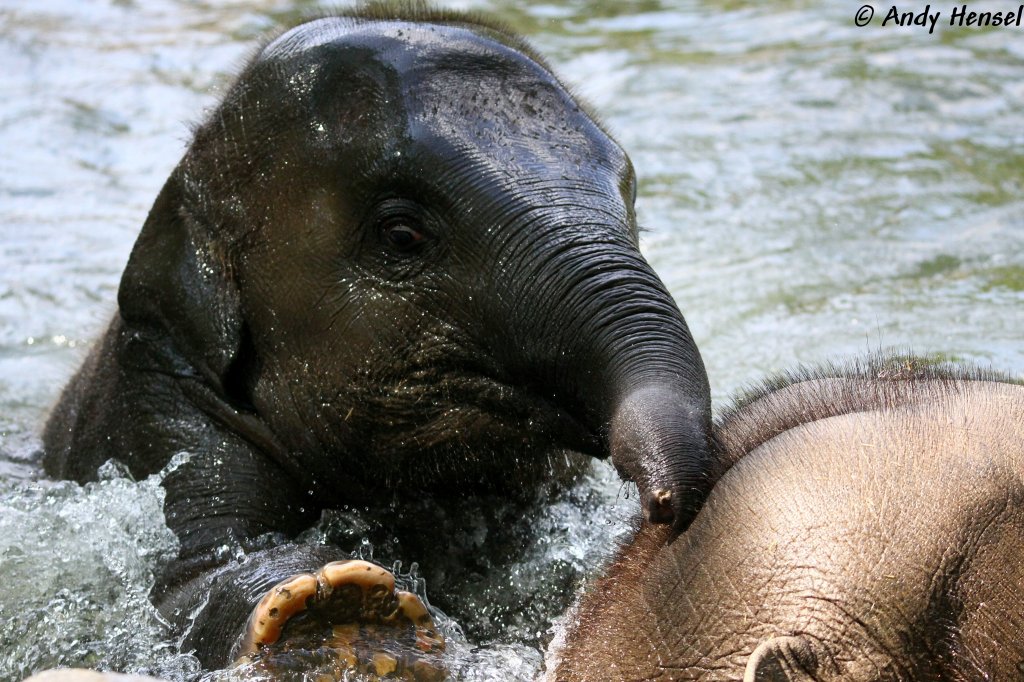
(398, 261)
(868, 525)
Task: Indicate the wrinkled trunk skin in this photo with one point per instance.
(868, 529)
(591, 322)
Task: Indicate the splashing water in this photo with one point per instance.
(508, 573)
(76, 566)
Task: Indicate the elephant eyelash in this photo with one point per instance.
(400, 226)
(405, 235)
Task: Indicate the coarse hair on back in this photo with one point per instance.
(881, 381)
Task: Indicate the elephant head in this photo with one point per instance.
(403, 256)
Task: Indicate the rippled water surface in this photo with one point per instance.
(810, 189)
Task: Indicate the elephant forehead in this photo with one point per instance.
(456, 92)
(396, 41)
(519, 124)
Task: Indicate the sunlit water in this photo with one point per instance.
(811, 190)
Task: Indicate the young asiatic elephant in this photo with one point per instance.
(871, 528)
(398, 260)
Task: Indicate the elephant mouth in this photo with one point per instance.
(542, 416)
(479, 411)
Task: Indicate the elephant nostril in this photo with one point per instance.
(657, 505)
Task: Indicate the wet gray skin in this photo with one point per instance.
(397, 261)
(809, 190)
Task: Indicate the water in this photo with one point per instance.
(811, 189)
(77, 565)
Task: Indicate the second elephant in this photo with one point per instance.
(871, 527)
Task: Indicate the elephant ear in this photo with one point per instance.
(177, 298)
(783, 659)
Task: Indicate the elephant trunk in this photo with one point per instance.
(624, 362)
(654, 404)
(658, 438)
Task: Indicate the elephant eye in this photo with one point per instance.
(403, 236)
(401, 226)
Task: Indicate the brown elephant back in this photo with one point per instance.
(869, 526)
